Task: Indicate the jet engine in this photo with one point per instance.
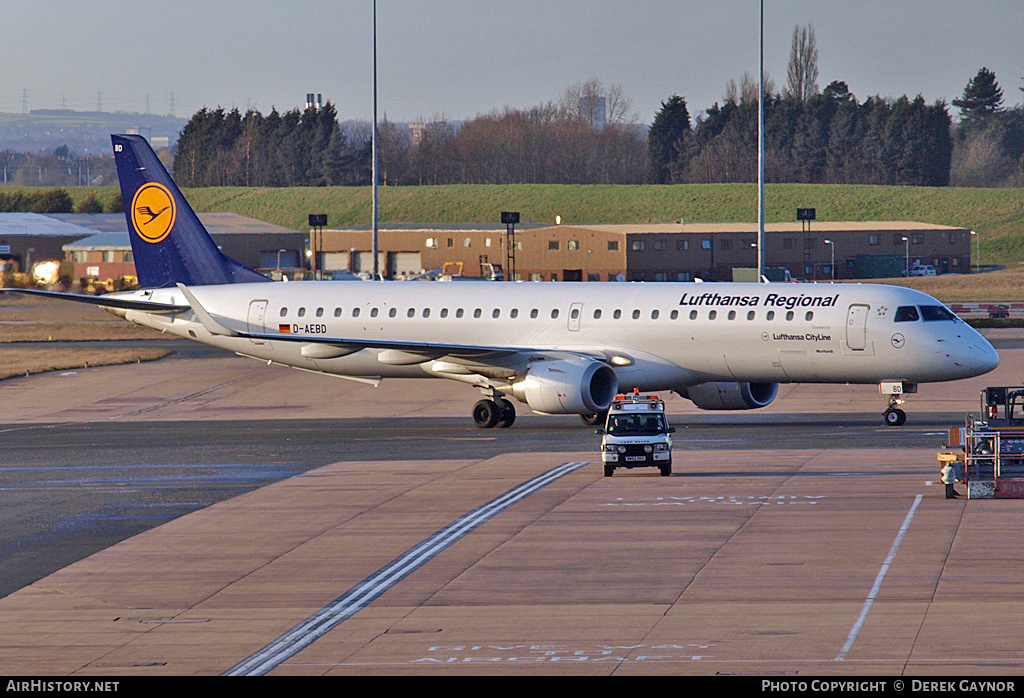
(731, 396)
(568, 387)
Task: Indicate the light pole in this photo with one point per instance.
(832, 248)
(906, 267)
(977, 257)
(279, 253)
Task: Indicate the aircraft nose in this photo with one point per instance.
(984, 356)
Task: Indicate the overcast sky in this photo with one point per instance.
(460, 58)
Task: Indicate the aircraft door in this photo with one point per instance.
(257, 319)
(575, 313)
(856, 327)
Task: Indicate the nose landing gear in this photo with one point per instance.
(893, 415)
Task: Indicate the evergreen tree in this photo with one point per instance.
(667, 138)
(981, 99)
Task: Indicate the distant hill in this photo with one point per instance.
(84, 133)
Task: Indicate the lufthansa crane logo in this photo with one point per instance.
(153, 212)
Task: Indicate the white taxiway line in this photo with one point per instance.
(362, 594)
(855, 630)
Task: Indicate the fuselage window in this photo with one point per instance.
(636, 314)
(411, 312)
(732, 315)
(693, 314)
(770, 315)
(906, 313)
(617, 314)
(809, 316)
(393, 312)
(514, 313)
(302, 312)
(575, 314)
(284, 311)
(789, 315)
(597, 314)
(674, 315)
(319, 312)
(444, 312)
(373, 312)
(426, 312)
(655, 314)
(459, 312)
(554, 314)
(533, 314)
(337, 312)
(931, 313)
(712, 315)
(496, 313)
(477, 312)
(355, 312)
(750, 314)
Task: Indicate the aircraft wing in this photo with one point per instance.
(425, 350)
(124, 303)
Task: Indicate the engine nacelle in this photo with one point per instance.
(732, 396)
(568, 387)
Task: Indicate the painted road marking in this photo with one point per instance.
(364, 593)
(855, 630)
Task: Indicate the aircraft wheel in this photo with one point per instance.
(894, 417)
(507, 413)
(595, 419)
(486, 414)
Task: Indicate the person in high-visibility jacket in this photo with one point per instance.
(948, 475)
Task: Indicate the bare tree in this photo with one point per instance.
(583, 102)
(803, 64)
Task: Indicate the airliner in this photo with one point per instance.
(560, 348)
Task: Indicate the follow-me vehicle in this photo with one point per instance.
(561, 348)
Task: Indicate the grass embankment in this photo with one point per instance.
(35, 320)
(997, 214)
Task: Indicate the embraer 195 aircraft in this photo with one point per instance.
(562, 348)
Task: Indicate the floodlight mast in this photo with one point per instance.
(376, 256)
(760, 159)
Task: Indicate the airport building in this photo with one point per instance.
(98, 244)
(652, 252)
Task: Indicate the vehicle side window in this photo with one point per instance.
(906, 313)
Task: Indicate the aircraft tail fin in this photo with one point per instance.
(169, 243)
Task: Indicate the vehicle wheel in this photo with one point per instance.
(485, 414)
(609, 470)
(506, 412)
(666, 469)
(895, 417)
(595, 419)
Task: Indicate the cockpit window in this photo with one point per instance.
(931, 313)
(906, 313)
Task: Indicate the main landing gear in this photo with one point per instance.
(494, 412)
(595, 419)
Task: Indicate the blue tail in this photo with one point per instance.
(169, 243)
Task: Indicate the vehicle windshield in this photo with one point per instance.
(636, 424)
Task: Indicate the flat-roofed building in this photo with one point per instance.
(655, 252)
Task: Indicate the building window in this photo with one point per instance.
(788, 243)
(705, 244)
(638, 245)
(467, 242)
(593, 276)
(874, 239)
(661, 244)
(431, 243)
(725, 244)
(682, 244)
(451, 242)
(552, 244)
(613, 245)
(916, 238)
(574, 244)
(661, 276)
(129, 256)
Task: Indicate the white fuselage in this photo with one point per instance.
(655, 335)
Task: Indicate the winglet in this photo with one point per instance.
(211, 325)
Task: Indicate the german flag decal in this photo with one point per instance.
(284, 329)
